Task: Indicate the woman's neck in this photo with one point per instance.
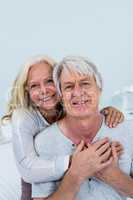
(51, 115)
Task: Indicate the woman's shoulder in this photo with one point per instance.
(25, 117)
(23, 113)
(30, 119)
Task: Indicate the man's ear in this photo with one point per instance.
(100, 91)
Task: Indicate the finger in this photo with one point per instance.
(89, 145)
(114, 154)
(121, 118)
(104, 157)
(112, 118)
(105, 111)
(108, 117)
(99, 143)
(80, 147)
(107, 163)
(117, 118)
(119, 153)
(117, 145)
(119, 148)
(103, 148)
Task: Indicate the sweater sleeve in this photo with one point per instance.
(31, 167)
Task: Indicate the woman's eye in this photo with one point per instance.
(50, 81)
(34, 86)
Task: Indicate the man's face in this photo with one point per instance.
(80, 94)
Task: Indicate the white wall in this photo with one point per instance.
(99, 29)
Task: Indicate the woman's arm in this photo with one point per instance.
(30, 166)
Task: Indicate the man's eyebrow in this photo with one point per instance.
(67, 82)
(84, 79)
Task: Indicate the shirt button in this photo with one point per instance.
(73, 147)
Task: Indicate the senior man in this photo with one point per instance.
(96, 172)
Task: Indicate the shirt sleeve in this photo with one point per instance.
(31, 167)
(43, 190)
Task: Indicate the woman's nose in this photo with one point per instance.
(43, 89)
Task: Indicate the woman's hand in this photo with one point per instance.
(117, 150)
(112, 116)
(116, 147)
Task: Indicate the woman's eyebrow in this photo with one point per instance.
(35, 81)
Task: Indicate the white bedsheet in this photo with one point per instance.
(9, 176)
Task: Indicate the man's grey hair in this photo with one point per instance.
(79, 64)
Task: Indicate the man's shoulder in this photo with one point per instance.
(47, 140)
(123, 130)
(127, 125)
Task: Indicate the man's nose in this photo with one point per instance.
(77, 90)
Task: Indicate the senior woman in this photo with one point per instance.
(33, 106)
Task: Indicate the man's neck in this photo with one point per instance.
(81, 129)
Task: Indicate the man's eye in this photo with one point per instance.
(68, 87)
(86, 83)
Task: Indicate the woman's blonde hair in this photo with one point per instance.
(19, 95)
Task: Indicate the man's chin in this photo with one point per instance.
(81, 115)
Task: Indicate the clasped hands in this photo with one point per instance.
(98, 159)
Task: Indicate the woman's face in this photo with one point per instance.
(41, 87)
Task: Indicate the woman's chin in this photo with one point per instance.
(49, 107)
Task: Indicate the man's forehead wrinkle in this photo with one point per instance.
(80, 80)
(74, 75)
(75, 72)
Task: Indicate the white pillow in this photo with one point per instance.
(5, 133)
